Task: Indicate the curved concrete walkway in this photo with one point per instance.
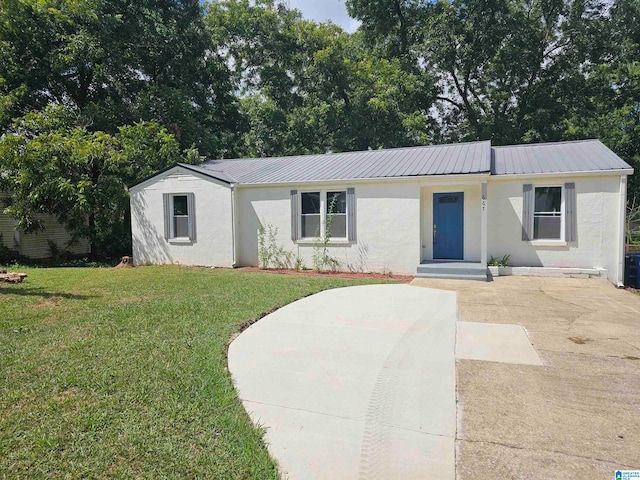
(356, 382)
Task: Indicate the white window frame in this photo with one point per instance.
(172, 226)
(549, 241)
(323, 215)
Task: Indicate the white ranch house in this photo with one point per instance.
(438, 211)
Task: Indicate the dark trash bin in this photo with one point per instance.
(632, 270)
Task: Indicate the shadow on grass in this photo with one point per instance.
(40, 292)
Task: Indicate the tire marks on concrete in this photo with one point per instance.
(376, 459)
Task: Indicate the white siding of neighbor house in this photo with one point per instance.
(597, 242)
(214, 233)
(472, 219)
(7, 232)
(387, 226)
(36, 245)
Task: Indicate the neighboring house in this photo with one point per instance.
(36, 245)
(436, 211)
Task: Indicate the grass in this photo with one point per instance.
(108, 373)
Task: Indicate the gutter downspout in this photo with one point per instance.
(623, 222)
(233, 225)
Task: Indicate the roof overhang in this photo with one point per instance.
(422, 179)
(179, 167)
(586, 173)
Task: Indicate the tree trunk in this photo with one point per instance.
(92, 235)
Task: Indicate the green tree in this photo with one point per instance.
(51, 166)
(117, 62)
(506, 70)
(610, 105)
(312, 88)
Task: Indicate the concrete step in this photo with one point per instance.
(459, 270)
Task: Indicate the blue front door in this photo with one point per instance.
(448, 225)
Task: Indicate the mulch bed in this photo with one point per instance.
(312, 273)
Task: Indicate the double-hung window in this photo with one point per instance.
(179, 216)
(547, 213)
(325, 213)
(310, 221)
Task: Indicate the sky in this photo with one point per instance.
(323, 10)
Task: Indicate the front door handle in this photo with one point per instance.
(434, 233)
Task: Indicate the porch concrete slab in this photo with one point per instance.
(356, 382)
(495, 343)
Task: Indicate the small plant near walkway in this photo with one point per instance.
(499, 262)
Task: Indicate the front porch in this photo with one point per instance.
(454, 270)
(454, 228)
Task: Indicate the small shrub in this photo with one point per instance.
(270, 254)
(499, 262)
(299, 264)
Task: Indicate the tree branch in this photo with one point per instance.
(455, 104)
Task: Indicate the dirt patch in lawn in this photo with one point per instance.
(311, 273)
(49, 302)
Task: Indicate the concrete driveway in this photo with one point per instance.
(577, 416)
(356, 382)
(362, 382)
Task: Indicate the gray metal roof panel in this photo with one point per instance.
(560, 157)
(464, 158)
(400, 162)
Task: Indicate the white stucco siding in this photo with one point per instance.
(472, 219)
(387, 226)
(213, 245)
(598, 224)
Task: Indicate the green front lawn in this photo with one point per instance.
(122, 373)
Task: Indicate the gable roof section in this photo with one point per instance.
(210, 172)
(560, 157)
(218, 176)
(462, 158)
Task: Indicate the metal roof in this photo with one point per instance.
(462, 158)
(560, 157)
(210, 172)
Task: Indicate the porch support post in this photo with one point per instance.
(483, 225)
